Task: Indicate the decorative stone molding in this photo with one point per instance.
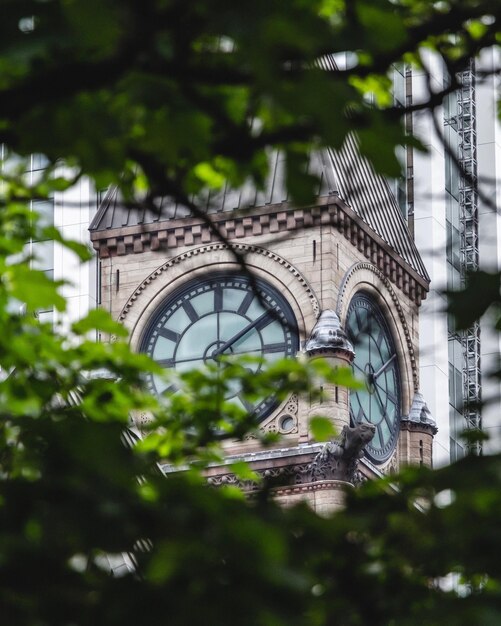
(352, 276)
(292, 474)
(307, 488)
(339, 461)
(142, 419)
(287, 419)
(275, 424)
(284, 421)
(359, 478)
(273, 219)
(241, 248)
(418, 428)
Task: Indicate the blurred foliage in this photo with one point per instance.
(482, 292)
(172, 96)
(169, 97)
(75, 501)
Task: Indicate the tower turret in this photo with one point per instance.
(329, 341)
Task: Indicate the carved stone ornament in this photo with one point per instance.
(290, 475)
(338, 460)
(392, 467)
(283, 421)
(328, 336)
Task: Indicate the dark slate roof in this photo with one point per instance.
(343, 172)
(370, 196)
(113, 214)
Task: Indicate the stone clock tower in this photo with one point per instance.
(341, 279)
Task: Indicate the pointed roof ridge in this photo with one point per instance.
(342, 173)
(370, 196)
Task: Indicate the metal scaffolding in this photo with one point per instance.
(469, 257)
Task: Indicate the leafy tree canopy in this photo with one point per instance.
(169, 97)
(174, 96)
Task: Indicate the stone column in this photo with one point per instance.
(329, 341)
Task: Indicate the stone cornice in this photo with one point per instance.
(301, 490)
(420, 427)
(272, 219)
(291, 466)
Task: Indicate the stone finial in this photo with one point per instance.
(420, 413)
(328, 336)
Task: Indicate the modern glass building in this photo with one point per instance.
(71, 212)
(453, 207)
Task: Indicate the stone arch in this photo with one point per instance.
(200, 261)
(363, 276)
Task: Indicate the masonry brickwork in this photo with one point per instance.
(318, 258)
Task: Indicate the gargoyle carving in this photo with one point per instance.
(338, 459)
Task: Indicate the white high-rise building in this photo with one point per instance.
(71, 211)
(457, 225)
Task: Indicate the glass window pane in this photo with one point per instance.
(39, 162)
(458, 384)
(232, 298)
(255, 309)
(160, 384)
(187, 366)
(46, 317)
(43, 255)
(164, 349)
(178, 321)
(45, 211)
(385, 430)
(230, 324)
(204, 303)
(200, 336)
(249, 343)
(273, 333)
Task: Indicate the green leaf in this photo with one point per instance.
(342, 376)
(233, 493)
(477, 29)
(242, 470)
(482, 290)
(472, 436)
(208, 175)
(99, 319)
(384, 27)
(322, 428)
(34, 288)
(81, 250)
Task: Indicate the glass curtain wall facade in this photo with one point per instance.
(454, 273)
(457, 230)
(71, 212)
